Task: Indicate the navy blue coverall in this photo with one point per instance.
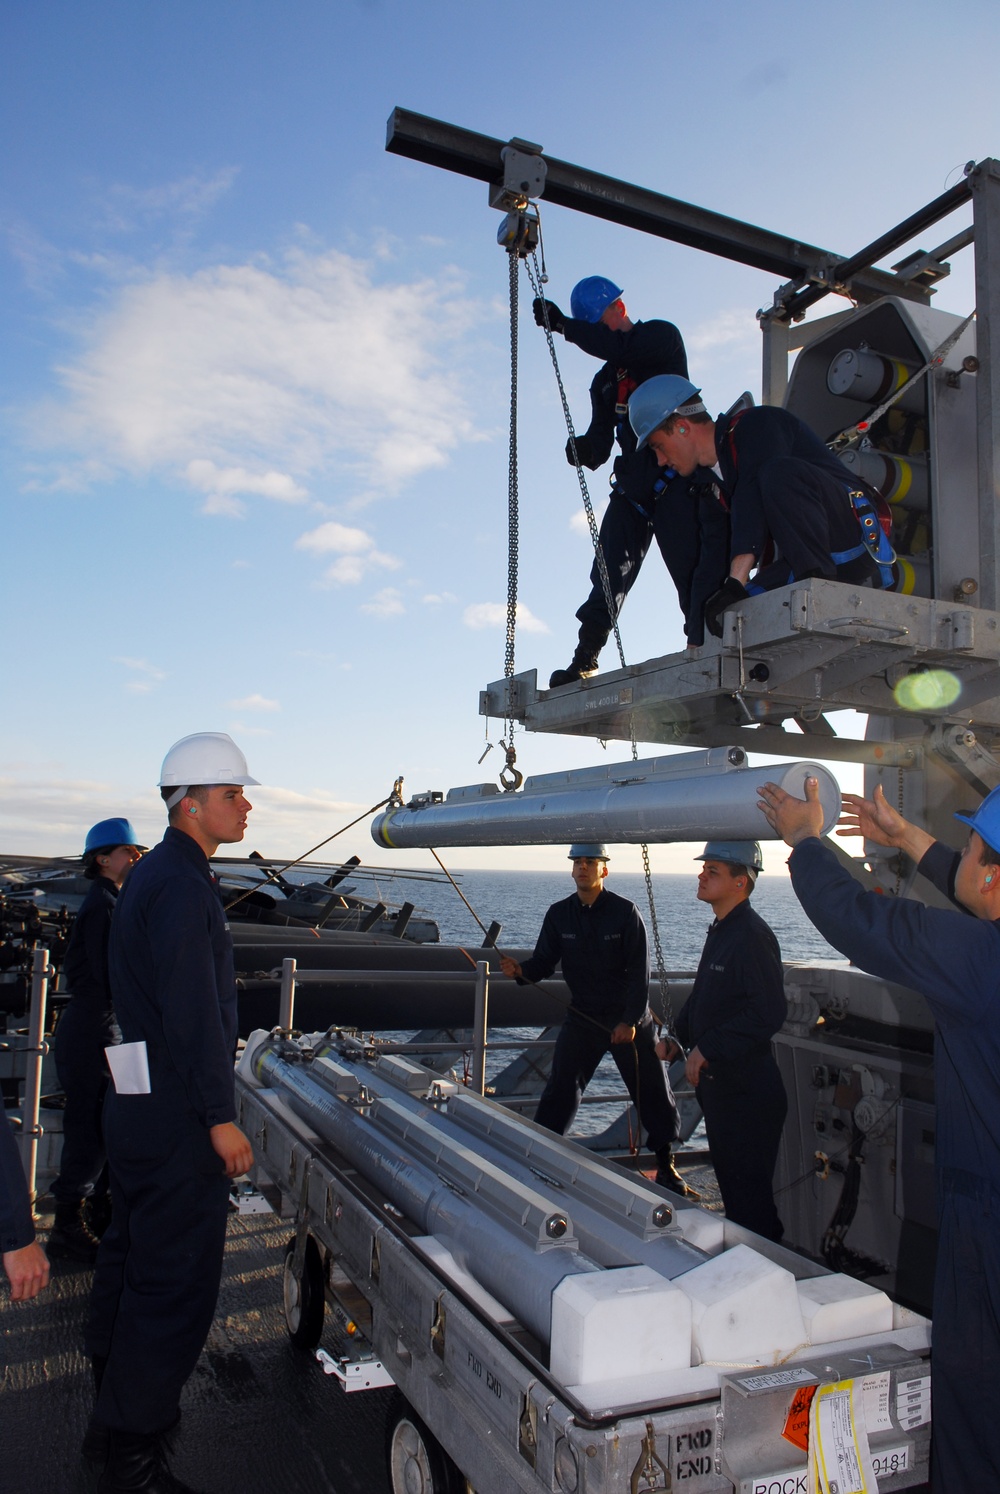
(737, 1004)
(605, 963)
(17, 1228)
(86, 1027)
(783, 484)
(631, 357)
(953, 959)
(159, 1265)
(691, 524)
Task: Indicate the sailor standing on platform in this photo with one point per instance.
(631, 352)
(170, 1119)
(600, 941)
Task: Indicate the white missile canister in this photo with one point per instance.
(691, 796)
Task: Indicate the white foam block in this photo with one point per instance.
(744, 1309)
(628, 1320)
(835, 1307)
(702, 1228)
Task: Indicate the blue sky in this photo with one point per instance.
(253, 448)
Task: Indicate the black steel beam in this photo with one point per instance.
(470, 154)
(926, 217)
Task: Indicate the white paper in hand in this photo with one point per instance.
(129, 1068)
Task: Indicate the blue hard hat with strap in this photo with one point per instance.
(590, 298)
(657, 399)
(734, 853)
(110, 833)
(986, 820)
(590, 850)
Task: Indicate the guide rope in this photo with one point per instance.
(862, 429)
(279, 872)
(536, 280)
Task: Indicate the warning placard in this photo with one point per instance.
(796, 1429)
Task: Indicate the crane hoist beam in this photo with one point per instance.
(469, 153)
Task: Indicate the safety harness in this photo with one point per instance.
(875, 518)
(872, 512)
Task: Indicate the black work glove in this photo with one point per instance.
(728, 594)
(584, 452)
(556, 318)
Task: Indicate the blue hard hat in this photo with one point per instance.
(986, 819)
(734, 853)
(116, 832)
(659, 398)
(591, 849)
(592, 297)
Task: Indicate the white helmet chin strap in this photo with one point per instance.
(175, 797)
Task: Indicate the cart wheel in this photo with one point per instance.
(415, 1460)
(303, 1300)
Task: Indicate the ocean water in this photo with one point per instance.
(518, 901)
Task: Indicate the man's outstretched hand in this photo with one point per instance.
(794, 819)
(556, 318)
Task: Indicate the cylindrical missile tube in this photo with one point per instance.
(914, 575)
(514, 1148)
(902, 481)
(869, 377)
(502, 1258)
(626, 804)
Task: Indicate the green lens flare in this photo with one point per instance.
(932, 690)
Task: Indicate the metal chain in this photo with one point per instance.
(534, 277)
(512, 505)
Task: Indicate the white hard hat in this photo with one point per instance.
(207, 757)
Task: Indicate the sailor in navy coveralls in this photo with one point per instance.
(954, 961)
(630, 353)
(736, 1006)
(600, 941)
(172, 1140)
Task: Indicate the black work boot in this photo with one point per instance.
(70, 1235)
(584, 661)
(137, 1465)
(667, 1176)
(98, 1213)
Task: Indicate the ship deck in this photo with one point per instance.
(257, 1414)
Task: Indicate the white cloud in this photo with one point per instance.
(50, 816)
(385, 603)
(255, 379)
(254, 703)
(482, 615)
(727, 330)
(148, 675)
(187, 197)
(221, 484)
(438, 598)
(355, 548)
(241, 729)
(579, 523)
(223, 506)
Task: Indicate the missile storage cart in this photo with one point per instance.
(553, 1322)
